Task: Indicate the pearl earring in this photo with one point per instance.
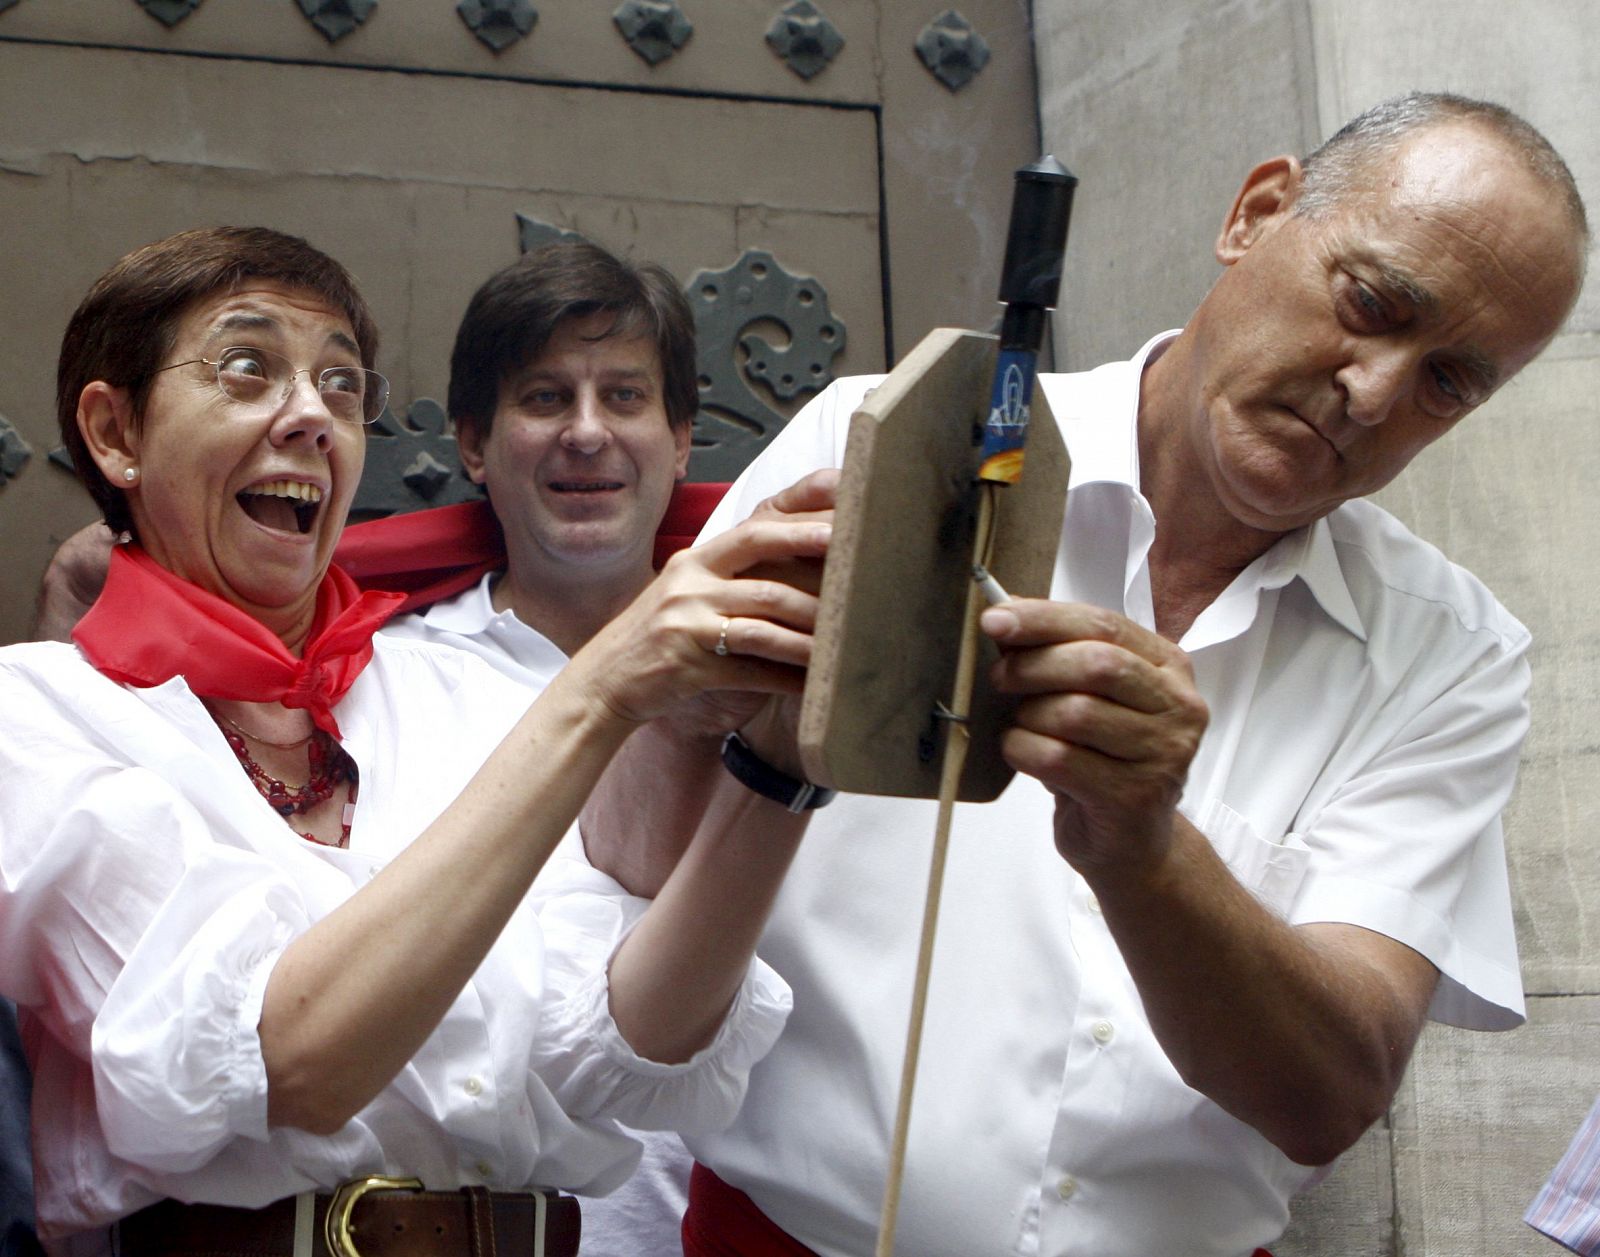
(130, 474)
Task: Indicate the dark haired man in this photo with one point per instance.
(573, 393)
(1265, 740)
(572, 389)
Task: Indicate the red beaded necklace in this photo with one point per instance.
(328, 762)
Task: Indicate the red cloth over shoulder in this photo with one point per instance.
(687, 511)
(425, 555)
(432, 554)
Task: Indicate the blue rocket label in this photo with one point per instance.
(1006, 430)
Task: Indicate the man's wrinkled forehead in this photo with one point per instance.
(1456, 205)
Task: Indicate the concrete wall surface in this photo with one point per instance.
(1161, 108)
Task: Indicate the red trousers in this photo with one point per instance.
(721, 1221)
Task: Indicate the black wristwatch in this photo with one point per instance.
(754, 773)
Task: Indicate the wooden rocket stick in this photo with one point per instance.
(1040, 209)
(955, 756)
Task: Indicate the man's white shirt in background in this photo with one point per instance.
(645, 1212)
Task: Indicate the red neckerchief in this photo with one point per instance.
(431, 554)
(149, 626)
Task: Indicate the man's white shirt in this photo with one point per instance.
(641, 1216)
(1368, 701)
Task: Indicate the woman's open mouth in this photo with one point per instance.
(284, 505)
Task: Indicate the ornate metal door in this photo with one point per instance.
(423, 143)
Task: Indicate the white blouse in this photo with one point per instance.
(147, 890)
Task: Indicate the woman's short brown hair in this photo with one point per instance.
(124, 328)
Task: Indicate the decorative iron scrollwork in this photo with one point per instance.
(952, 50)
(14, 450)
(170, 12)
(734, 423)
(337, 18)
(655, 29)
(533, 234)
(412, 463)
(804, 38)
(498, 23)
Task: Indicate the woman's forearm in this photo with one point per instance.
(676, 974)
(399, 951)
(354, 998)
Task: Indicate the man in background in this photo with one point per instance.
(573, 394)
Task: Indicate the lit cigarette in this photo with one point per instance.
(991, 587)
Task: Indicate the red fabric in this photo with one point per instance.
(721, 1221)
(691, 505)
(149, 626)
(432, 554)
(424, 555)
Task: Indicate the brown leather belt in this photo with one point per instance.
(380, 1222)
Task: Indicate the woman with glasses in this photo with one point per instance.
(263, 877)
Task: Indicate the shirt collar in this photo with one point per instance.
(1107, 451)
(1310, 554)
(471, 615)
(469, 612)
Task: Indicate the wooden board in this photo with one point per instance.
(894, 591)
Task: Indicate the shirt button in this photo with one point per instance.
(484, 1169)
(472, 1087)
(1094, 905)
(1103, 1031)
(1067, 1187)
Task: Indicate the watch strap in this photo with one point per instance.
(754, 773)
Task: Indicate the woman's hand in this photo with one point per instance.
(810, 498)
(733, 614)
(412, 937)
(715, 713)
(674, 762)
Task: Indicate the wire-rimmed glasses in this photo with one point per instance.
(263, 379)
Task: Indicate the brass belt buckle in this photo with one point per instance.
(336, 1225)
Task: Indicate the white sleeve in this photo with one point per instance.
(581, 1055)
(142, 943)
(1410, 846)
(813, 439)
